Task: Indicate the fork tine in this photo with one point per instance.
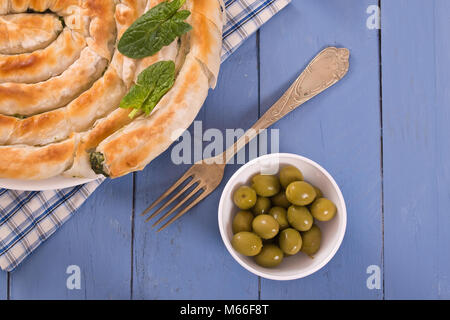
(189, 196)
(182, 212)
(187, 175)
(165, 205)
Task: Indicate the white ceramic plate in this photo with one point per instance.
(333, 231)
(54, 183)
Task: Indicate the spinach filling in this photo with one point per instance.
(97, 159)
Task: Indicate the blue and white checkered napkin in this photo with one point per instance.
(29, 218)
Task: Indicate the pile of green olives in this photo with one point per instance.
(277, 217)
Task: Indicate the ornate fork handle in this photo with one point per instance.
(327, 68)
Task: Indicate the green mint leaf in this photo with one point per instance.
(181, 15)
(152, 84)
(155, 29)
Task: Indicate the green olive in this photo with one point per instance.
(270, 256)
(311, 241)
(242, 221)
(319, 193)
(290, 174)
(280, 200)
(323, 209)
(290, 241)
(244, 197)
(265, 226)
(262, 206)
(247, 243)
(300, 193)
(265, 185)
(300, 218)
(280, 215)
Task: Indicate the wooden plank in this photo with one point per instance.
(188, 260)
(415, 63)
(97, 239)
(339, 129)
(3, 285)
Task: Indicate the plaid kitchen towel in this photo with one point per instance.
(29, 218)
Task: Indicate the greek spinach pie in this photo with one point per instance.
(92, 87)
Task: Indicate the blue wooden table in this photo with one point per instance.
(382, 133)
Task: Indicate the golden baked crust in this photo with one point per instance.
(59, 96)
(21, 33)
(42, 64)
(25, 162)
(141, 141)
(31, 98)
(79, 115)
(133, 147)
(102, 29)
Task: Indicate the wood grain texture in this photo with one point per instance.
(188, 260)
(416, 82)
(339, 129)
(3, 285)
(97, 239)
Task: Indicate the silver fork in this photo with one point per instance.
(326, 69)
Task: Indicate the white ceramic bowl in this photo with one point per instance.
(333, 231)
